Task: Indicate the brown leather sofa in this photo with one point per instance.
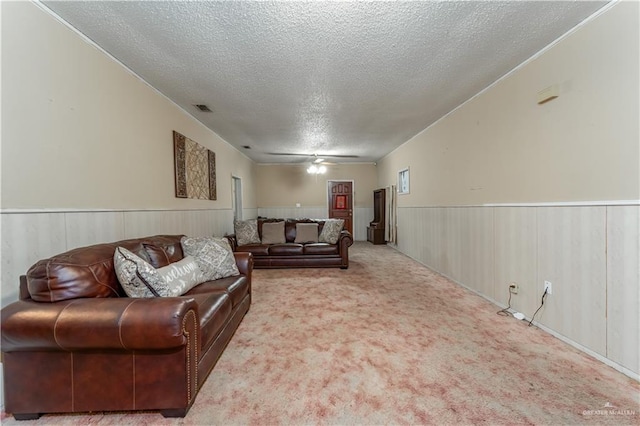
(75, 342)
(294, 255)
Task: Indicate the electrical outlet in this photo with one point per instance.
(513, 288)
(548, 287)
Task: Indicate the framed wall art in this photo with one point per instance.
(195, 169)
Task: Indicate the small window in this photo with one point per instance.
(403, 181)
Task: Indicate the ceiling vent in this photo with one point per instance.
(203, 107)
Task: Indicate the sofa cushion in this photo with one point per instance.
(214, 310)
(236, 287)
(214, 256)
(287, 249)
(306, 233)
(246, 231)
(321, 249)
(331, 231)
(255, 249)
(137, 277)
(81, 272)
(163, 251)
(273, 233)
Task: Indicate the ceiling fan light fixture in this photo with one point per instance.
(316, 170)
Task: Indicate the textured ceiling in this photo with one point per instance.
(342, 78)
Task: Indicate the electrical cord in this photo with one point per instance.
(541, 304)
(505, 312)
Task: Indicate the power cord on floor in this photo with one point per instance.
(505, 312)
(541, 304)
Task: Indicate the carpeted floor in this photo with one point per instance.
(390, 342)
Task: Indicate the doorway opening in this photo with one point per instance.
(236, 197)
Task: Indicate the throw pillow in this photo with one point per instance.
(306, 233)
(331, 231)
(181, 276)
(137, 277)
(213, 255)
(273, 233)
(246, 231)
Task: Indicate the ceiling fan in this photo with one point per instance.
(314, 158)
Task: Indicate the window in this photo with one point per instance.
(403, 181)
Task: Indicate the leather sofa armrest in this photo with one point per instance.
(244, 262)
(98, 323)
(344, 240)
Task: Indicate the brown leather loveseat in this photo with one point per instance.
(75, 342)
(292, 254)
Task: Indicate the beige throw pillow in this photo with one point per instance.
(306, 233)
(273, 233)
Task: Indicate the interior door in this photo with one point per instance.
(341, 202)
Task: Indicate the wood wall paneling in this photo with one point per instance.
(87, 228)
(476, 250)
(27, 238)
(623, 285)
(516, 256)
(571, 254)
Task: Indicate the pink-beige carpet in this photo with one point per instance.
(389, 341)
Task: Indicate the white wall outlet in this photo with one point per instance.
(548, 287)
(513, 288)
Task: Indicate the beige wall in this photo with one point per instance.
(79, 131)
(286, 185)
(502, 147)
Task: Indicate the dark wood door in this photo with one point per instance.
(341, 202)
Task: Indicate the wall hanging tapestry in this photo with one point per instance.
(195, 168)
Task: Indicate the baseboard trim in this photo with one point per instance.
(588, 351)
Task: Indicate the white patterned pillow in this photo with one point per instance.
(246, 231)
(331, 231)
(213, 255)
(181, 276)
(136, 276)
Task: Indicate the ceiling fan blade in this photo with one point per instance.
(289, 154)
(293, 154)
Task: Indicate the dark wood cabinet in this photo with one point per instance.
(376, 229)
